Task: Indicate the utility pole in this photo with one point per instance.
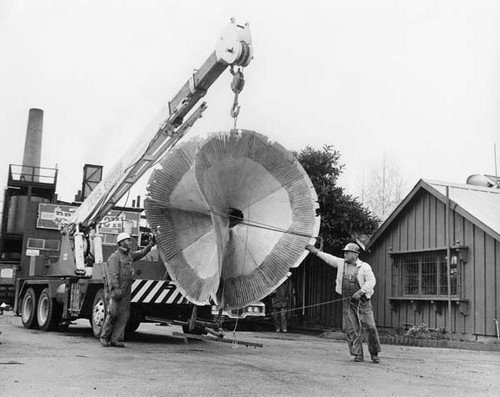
(448, 256)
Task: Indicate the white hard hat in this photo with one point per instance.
(352, 247)
(122, 236)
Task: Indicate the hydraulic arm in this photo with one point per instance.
(234, 48)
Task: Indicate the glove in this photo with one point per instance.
(312, 249)
(356, 296)
(116, 294)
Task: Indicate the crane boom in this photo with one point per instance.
(233, 48)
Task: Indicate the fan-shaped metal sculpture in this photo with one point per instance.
(232, 214)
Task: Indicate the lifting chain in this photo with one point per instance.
(237, 86)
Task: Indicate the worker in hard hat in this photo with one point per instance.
(118, 279)
(355, 282)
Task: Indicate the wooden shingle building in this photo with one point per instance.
(440, 248)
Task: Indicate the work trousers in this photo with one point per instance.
(118, 313)
(358, 321)
(279, 317)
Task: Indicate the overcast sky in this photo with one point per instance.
(418, 81)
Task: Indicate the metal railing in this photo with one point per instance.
(27, 173)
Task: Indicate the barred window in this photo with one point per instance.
(423, 274)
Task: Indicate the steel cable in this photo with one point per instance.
(225, 215)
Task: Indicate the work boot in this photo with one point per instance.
(358, 358)
(104, 342)
(116, 344)
(375, 358)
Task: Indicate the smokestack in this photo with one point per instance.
(33, 144)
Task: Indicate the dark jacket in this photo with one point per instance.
(119, 273)
(279, 297)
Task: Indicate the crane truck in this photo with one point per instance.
(65, 278)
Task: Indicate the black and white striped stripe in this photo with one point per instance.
(154, 291)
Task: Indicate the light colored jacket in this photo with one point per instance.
(366, 278)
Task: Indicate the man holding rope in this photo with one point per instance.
(355, 282)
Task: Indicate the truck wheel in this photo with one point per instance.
(48, 311)
(28, 309)
(98, 313)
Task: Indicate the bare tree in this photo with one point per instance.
(383, 190)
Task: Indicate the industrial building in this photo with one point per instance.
(31, 194)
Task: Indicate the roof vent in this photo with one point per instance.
(484, 180)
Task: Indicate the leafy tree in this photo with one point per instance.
(342, 216)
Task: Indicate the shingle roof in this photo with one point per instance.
(480, 205)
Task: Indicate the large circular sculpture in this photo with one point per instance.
(232, 214)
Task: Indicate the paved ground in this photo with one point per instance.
(72, 363)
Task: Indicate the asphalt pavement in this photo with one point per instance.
(156, 363)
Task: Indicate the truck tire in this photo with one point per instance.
(98, 313)
(28, 309)
(48, 312)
